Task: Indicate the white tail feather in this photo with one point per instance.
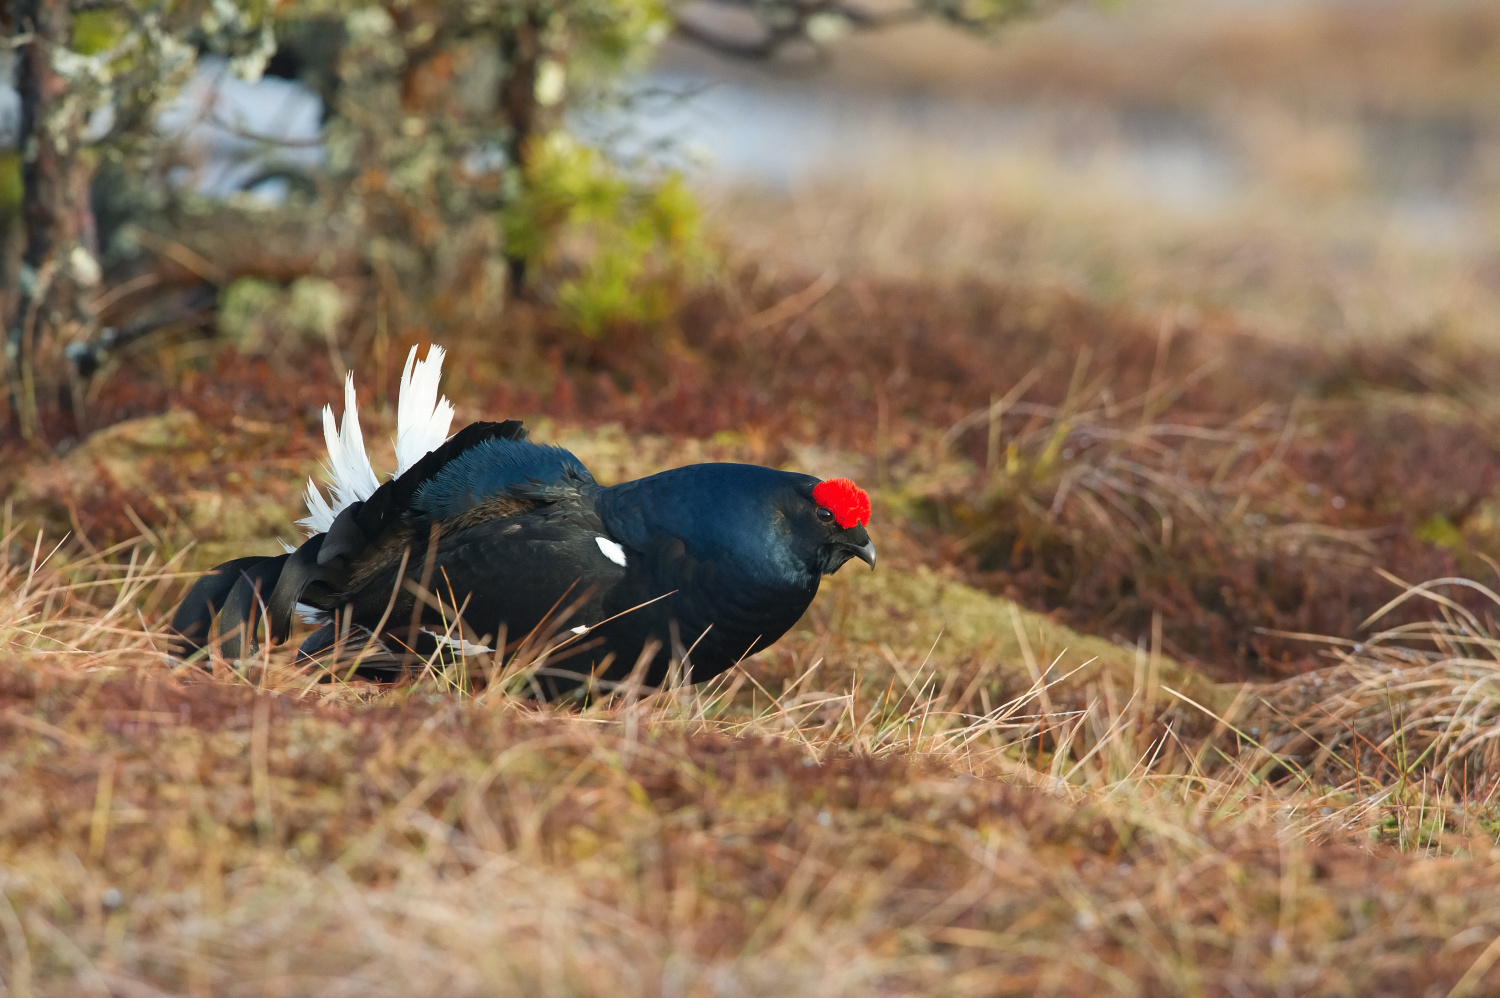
(422, 418)
(422, 422)
(320, 515)
(353, 478)
(348, 465)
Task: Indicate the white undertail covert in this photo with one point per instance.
(423, 419)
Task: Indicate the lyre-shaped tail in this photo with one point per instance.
(423, 419)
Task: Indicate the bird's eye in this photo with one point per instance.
(824, 514)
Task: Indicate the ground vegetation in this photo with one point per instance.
(1177, 675)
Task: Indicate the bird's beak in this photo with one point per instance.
(847, 544)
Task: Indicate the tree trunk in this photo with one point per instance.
(522, 51)
(59, 264)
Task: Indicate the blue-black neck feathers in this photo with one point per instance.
(494, 467)
(740, 515)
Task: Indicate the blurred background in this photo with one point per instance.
(1317, 168)
(1311, 167)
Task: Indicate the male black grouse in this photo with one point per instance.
(512, 536)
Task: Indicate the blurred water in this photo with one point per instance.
(1422, 174)
(782, 131)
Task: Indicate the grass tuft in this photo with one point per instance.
(238, 831)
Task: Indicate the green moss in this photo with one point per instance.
(1439, 530)
(257, 315)
(918, 609)
(622, 240)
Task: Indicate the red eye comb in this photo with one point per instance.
(848, 503)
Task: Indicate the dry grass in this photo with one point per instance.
(924, 789)
(1297, 264)
(1412, 704)
(1099, 468)
(180, 832)
(998, 766)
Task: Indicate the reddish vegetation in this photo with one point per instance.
(979, 881)
(1190, 474)
(1231, 485)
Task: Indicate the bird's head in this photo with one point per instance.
(841, 509)
(775, 527)
(802, 527)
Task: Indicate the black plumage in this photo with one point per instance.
(721, 559)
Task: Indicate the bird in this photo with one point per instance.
(485, 537)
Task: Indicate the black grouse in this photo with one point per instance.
(487, 534)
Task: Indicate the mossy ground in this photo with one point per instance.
(1112, 717)
(955, 776)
